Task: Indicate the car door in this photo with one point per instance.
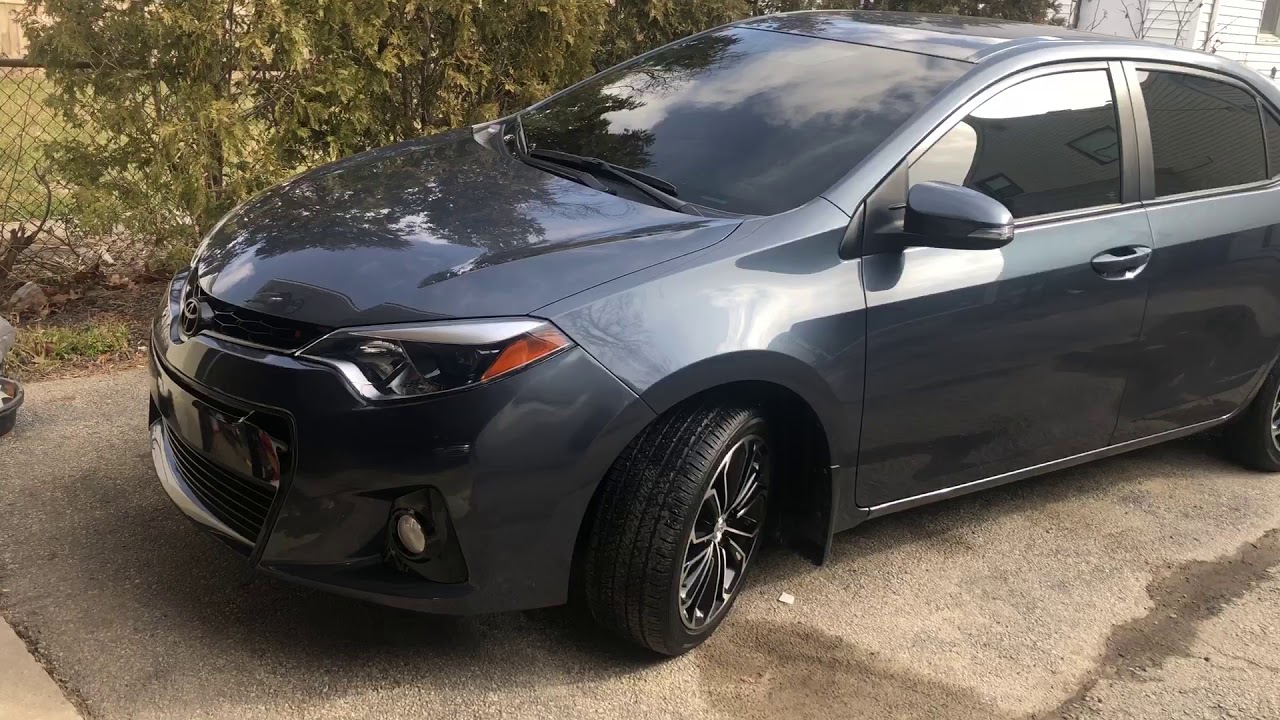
(985, 362)
(1211, 185)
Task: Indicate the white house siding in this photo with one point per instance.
(1105, 17)
(1235, 35)
(1164, 19)
(1173, 22)
(12, 42)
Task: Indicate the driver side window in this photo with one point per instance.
(1046, 145)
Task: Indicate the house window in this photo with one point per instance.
(1271, 18)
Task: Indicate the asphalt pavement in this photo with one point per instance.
(1143, 586)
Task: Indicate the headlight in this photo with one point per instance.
(389, 362)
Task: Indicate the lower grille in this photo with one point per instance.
(240, 503)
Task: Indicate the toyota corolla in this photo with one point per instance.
(769, 281)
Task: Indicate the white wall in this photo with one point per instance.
(12, 42)
(1235, 35)
(1103, 16)
(1173, 22)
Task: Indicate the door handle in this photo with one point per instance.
(1121, 263)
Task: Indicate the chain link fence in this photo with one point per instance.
(40, 238)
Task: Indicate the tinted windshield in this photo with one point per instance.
(745, 121)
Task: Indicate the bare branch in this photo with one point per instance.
(1136, 15)
(1142, 21)
(1214, 39)
(1096, 21)
(48, 202)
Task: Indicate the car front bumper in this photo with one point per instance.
(507, 470)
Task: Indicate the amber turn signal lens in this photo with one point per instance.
(525, 349)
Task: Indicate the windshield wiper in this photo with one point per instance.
(593, 162)
(654, 187)
(568, 173)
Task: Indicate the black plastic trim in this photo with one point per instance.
(1130, 155)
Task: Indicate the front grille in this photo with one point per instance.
(240, 323)
(239, 502)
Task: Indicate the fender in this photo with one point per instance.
(773, 302)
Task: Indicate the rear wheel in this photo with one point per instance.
(1253, 438)
(679, 519)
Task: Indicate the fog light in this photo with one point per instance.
(410, 534)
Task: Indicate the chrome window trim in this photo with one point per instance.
(1077, 215)
(1268, 184)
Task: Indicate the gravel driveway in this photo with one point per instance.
(1141, 586)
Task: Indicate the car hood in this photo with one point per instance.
(442, 227)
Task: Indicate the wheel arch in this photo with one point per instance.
(765, 370)
(791, 402)
(788, 387)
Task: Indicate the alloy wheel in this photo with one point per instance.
(1275, 420)
(725, 533)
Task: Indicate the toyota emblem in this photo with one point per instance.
(191, 316)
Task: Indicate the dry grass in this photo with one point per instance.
(104, 330)
(44, 351)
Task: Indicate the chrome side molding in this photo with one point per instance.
(1015, 475)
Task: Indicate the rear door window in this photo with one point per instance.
(1205, 134)
(1049, 144)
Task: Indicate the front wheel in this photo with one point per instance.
(680, 517)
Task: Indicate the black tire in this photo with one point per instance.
(1251, 436)
(649, 504)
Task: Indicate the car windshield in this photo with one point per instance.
(740, 120)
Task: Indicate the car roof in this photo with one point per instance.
(955, 37)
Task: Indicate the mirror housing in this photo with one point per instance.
(943, 215)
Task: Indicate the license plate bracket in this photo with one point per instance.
(227, 437)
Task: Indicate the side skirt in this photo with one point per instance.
(1014, 476)
(853, 516)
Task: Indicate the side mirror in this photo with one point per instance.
(943, 215)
